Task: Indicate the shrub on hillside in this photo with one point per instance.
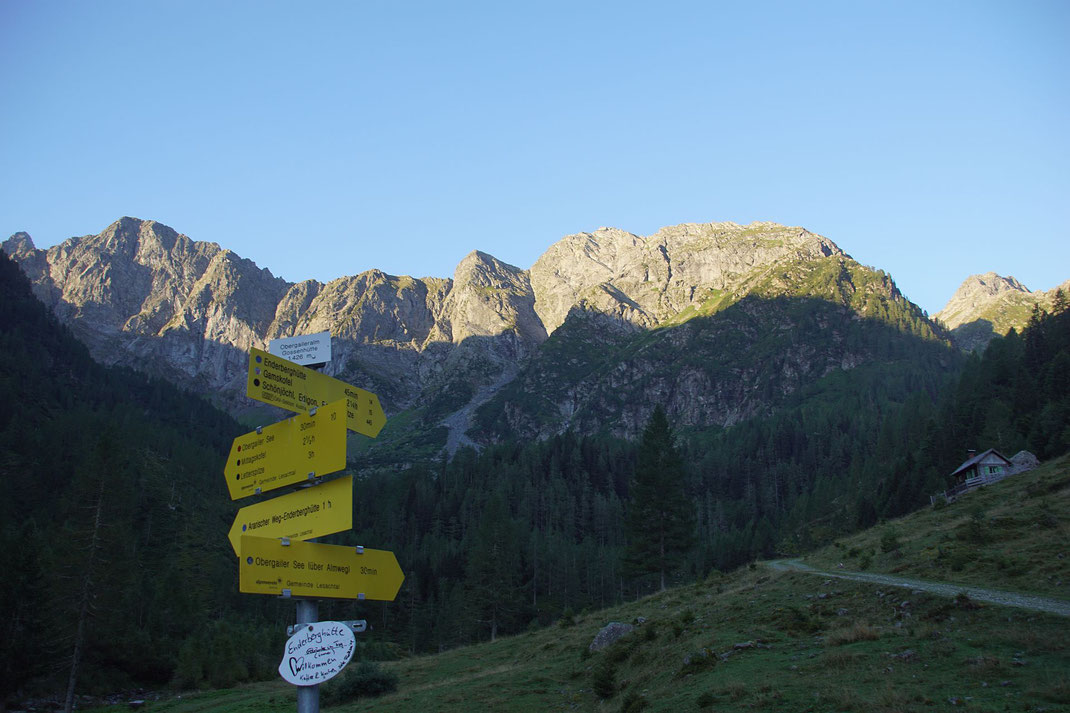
(633, 703)
(604, 679)
(367, 679)
(890, 540)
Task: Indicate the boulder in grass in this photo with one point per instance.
(609, 634)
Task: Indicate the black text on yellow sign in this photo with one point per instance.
(311, 569)
(276, 381)
(310, 512)
(286, 452)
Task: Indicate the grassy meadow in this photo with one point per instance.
(763, 640)
(1009, 535)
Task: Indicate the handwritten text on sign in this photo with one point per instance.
(317, 652)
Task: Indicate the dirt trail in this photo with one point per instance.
(946, 589)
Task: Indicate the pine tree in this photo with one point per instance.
(660, 521)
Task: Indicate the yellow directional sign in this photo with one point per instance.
(280, 382)
(286, 452)
(311, 569)
(312, 512)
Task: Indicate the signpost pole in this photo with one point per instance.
(308, 697)
(308, 612)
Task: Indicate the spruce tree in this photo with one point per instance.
(660, 520)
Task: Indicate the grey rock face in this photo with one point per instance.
(143, 295)
(975, 294)
(646, 281)
(989, 305)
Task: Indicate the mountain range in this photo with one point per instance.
(719, 322)
(810, 398)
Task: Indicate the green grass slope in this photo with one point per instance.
(759, 639)
(1009, 535)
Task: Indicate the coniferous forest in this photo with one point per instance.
(114, 513)
(110, 518)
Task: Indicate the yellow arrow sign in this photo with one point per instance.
(276, 381)
(312, 512)
(286, 452)
(311, 569)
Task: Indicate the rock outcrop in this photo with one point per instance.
(644, 282)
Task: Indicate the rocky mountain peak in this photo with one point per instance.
(490, 297)
(34, 264)
(142, 294)
(989, 284)
(480, 268)
(19, 245)
(976, 294)
(574, 265)
(644, 281)
(990, 305)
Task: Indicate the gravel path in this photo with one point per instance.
(946, 589)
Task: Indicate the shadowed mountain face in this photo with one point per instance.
(718, 321)
(735, 357)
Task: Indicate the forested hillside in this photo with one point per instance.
(1017, 395)
(113, 516)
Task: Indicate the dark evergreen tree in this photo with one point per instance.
(494, 568)
(660, 517)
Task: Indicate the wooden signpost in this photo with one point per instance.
(269, 537)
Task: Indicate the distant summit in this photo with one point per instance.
(990, 305)
(19, 244)
(976, 293)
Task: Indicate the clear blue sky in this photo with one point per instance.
(930, 139)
